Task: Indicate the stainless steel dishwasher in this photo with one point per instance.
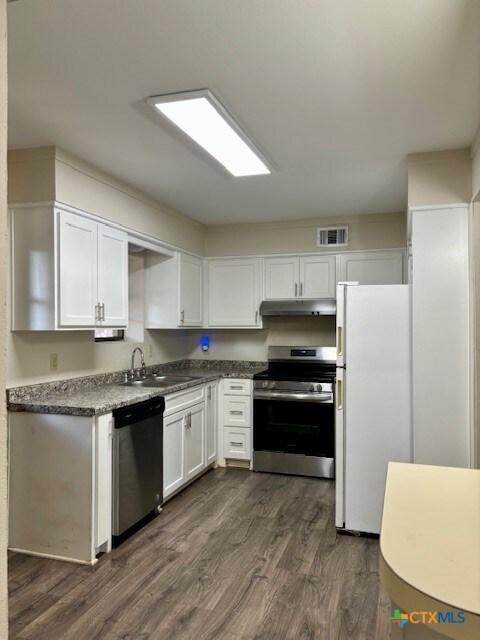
(137, 463)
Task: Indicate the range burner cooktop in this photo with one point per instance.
(299, 364)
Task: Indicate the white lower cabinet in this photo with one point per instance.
(236, 410)
(173, 452)
(236, 443)
(195, 441)
(60, 485)
(189, 436)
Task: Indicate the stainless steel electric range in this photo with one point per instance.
(293, 412)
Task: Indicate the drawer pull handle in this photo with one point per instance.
(236, 413)
(238, 386)
(236, 444)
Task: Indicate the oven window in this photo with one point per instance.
(293, 427)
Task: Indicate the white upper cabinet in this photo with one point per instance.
(68, 271)
(282, 277)
(190, 291)
(77, 271)
(112, 277)
(174, 291)
(234, 292)
(317, 277)
(92, 272)
(371, 267)
(294, 277)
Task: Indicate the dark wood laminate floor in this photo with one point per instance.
(237, 556)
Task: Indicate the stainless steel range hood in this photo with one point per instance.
(322, 307)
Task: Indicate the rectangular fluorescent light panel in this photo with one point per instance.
(203, 118)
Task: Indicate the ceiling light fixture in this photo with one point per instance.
(204, 119)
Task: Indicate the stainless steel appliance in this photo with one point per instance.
(293, 412)
(137, 463)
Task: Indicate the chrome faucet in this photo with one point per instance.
(143, 370)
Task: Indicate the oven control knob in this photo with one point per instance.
(311, 387)
(319, 387)
(272, 385)
(265, 384)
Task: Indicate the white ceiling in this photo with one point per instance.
(336, 92)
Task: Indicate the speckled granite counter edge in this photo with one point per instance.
(40, 390)
(84, 396)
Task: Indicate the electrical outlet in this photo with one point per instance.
(54, 362)
(150, 351)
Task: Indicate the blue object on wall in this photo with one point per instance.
(205, 342)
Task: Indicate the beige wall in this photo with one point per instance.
(49, 173)
(253, 344)
(443, 177)
(3, 280)
(386, 231)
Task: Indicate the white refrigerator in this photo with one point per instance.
(373, 408)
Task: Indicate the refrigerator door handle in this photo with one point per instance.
(339, 395)
(339, 341)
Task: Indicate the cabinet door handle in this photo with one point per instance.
(97, 312)
(236, 413)
(236, 444)
(256, 317)
(103, 311)
(301, 289)
(182, 316)
(296, 289)
(209, 392)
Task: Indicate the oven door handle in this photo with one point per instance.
(324, 398)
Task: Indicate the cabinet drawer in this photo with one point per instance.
(184, 399)
(236, 443)
(236, 411)
(235, 387)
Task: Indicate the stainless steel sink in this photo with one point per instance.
(158, 381)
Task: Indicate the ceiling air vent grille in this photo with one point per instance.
(332, 236)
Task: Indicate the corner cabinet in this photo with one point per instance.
(68, 271)
(234, 292)
(306, 277)
(372, 267)
(174, 291)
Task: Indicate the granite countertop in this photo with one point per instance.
(94, 395)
